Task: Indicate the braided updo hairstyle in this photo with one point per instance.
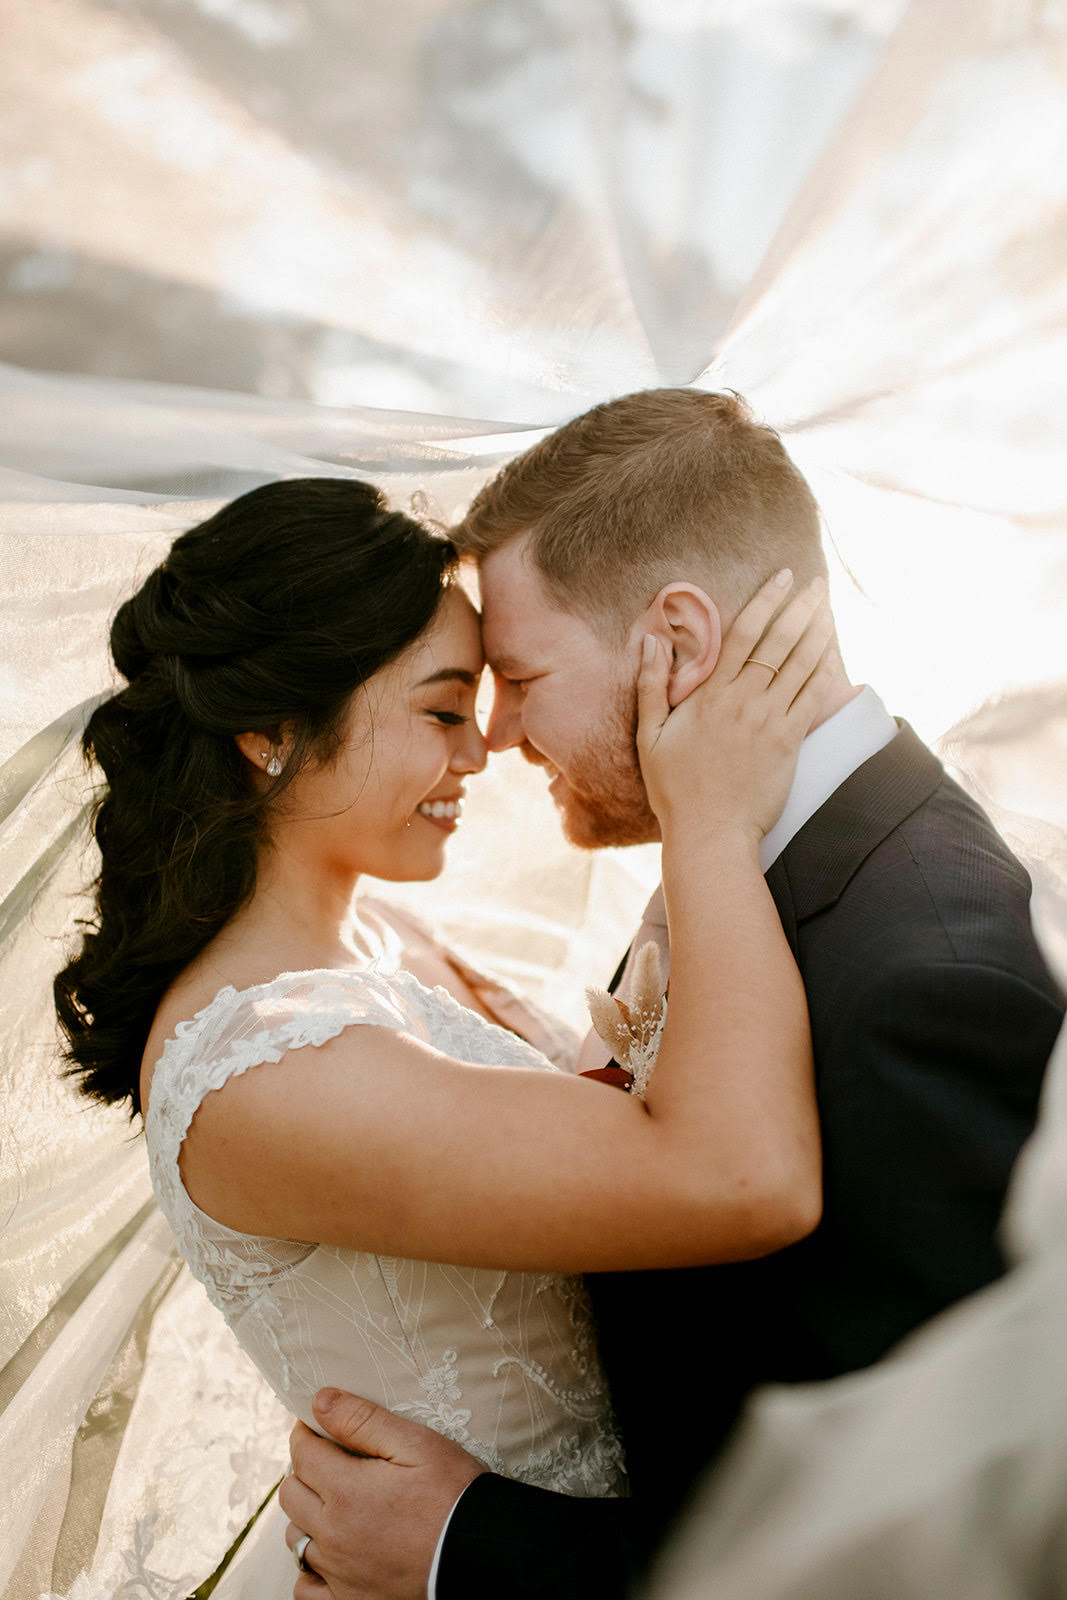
(273, 610)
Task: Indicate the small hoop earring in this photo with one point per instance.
(274, 768)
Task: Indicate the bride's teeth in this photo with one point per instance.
(439, 808)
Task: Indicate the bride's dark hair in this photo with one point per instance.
(273, 610)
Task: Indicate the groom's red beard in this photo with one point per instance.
(601, 798)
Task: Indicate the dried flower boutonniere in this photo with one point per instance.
(632, 1031)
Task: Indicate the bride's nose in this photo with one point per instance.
(471, 752)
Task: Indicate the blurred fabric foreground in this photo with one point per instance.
(245, 239)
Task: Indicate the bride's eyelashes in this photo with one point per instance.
(452, 719)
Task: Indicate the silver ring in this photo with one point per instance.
(298, 1552)
(754, 661)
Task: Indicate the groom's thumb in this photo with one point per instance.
(358, 1424)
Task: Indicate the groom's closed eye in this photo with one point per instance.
(514, 677)
(512, 669)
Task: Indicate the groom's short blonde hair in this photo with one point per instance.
(662, 486)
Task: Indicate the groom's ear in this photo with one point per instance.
(687, 622)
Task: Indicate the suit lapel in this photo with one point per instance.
(829, 849)
(619, 970)
(814, 868)
(778, 883)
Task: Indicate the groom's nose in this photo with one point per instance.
(504, 729)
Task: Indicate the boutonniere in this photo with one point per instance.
(632, 1031)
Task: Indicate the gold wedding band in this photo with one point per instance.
(756, 662)
(298, 1552)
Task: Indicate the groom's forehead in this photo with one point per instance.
(524, 629)
(517, 615)
(519, 636)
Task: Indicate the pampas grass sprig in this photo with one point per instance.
(632, 1031)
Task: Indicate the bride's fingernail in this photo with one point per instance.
(784, 578)
(648, 649)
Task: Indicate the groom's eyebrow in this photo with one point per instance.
(450, 675)
(509, 667)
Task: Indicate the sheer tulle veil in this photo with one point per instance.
(853, 213)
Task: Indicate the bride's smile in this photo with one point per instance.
(445, 813)
(387, 800)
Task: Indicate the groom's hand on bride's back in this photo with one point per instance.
(374, 1503)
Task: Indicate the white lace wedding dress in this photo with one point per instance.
(503, 1362)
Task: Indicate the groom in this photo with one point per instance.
(932, 1011)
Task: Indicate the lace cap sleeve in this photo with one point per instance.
(245, 1028)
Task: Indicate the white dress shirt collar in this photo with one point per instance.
(831, 753)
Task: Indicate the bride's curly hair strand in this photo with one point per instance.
(271, 612)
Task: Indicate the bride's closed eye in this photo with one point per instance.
(452, 719)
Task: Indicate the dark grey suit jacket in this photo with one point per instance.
(933, 1015)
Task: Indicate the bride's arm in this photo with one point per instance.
(376, 1141)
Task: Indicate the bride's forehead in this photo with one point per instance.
(454, 637)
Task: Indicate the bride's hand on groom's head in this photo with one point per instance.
(725, 756)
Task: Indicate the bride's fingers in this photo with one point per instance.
(804, 657)
(808, 703)
(748, 627)
(653, 704)
(775, 646)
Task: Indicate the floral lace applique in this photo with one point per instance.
(441, 1387)
(503, 1363)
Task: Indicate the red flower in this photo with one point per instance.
(613, 1074)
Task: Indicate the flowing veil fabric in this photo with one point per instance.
(420, 241)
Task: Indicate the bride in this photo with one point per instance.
(397, 1200)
